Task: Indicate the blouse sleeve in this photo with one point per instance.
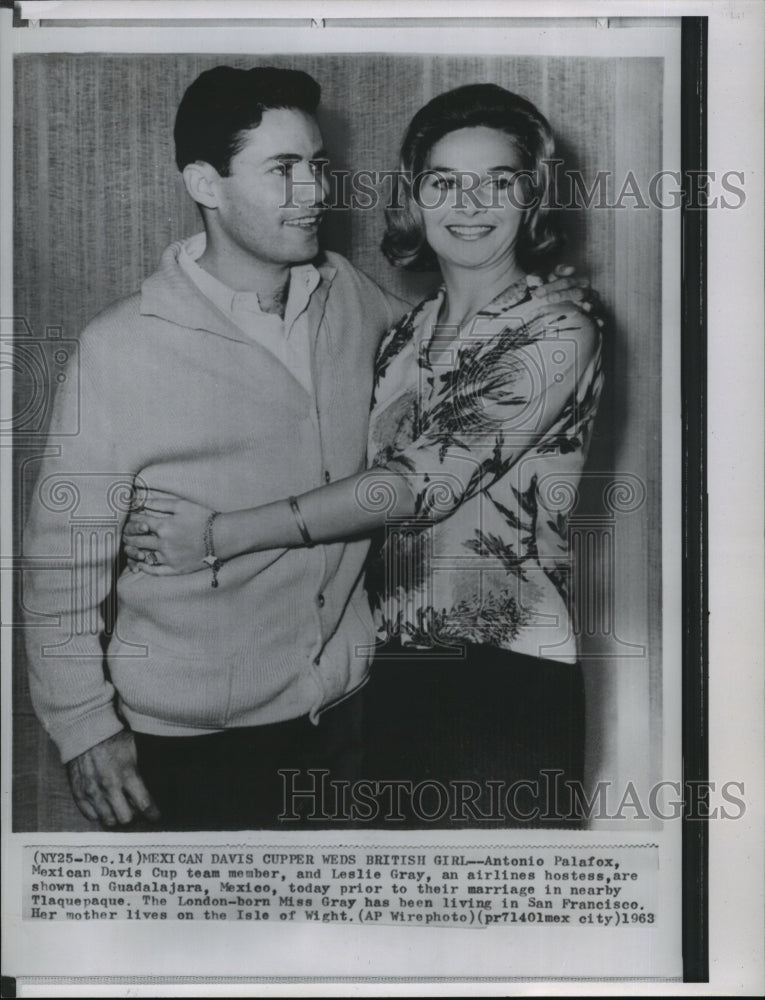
(505, 395)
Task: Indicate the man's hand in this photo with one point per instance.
(564, 286)
(106, 784)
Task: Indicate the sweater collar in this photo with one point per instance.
(170, 294)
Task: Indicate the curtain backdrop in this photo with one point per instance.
(98, 197)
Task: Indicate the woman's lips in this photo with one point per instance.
(470, 232)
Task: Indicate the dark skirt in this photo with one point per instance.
(493, 739)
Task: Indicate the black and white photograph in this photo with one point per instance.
(349, 501)
(478, 520)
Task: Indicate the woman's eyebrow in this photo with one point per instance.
(456, 170)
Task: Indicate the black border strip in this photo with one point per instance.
(695, 734)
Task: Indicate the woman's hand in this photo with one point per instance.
(166, 537)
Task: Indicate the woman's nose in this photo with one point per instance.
(469, 205)
(470, 197)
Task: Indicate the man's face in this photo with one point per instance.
(270, 205)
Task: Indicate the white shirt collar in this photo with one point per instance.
(304, 279)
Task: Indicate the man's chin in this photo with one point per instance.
(306, 253)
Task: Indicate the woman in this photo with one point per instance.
(481, 415)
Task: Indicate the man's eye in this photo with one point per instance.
(282, 169)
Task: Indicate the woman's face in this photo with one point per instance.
(470, 211)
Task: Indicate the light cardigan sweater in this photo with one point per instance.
(170, 393)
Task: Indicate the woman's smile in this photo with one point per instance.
(470, 232)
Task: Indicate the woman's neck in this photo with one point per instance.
(468, 290)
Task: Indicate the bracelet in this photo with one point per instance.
(304, 532)
(210, 558)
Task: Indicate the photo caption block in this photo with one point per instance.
(584, 886)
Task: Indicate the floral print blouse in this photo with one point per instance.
(490, 426)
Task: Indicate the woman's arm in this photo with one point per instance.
(357, 505)
(167, 536)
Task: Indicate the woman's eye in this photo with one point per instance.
(282, 169)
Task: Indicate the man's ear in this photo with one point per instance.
(201, 183)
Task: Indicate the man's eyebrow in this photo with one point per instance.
(320, 154)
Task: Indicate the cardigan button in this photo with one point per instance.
(320, 600)
(327, 477)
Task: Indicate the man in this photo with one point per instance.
(240, 373)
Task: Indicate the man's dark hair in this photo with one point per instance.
(223, 103)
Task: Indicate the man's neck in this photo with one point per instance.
(276, 302)
(241, 273)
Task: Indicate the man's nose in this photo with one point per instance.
(309, 185)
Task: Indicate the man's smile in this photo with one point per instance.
(305, 221)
